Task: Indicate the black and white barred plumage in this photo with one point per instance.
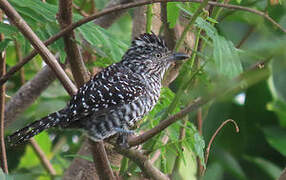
(117, 97)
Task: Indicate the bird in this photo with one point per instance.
(115, 99)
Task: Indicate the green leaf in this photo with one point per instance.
(30, 16)
(4, 44)
(267, 166)
(276, 136)
(187, 170)
(207, 27)
(173, 13)
(163, 161)
(226, 58)
(194, 141)
(104, 41)
(202, 23)
(40, 11)
(7, 29)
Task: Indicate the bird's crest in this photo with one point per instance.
(147, 39)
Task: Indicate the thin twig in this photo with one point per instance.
(245, 37)
(2, 106)
(214, 135)
(200, 121)
(47, 56)
(84, 14)
(41, 155)
(142, 161)
(123, 7)
(156, 155)
(19, 58)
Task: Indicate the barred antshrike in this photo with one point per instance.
(117, 97)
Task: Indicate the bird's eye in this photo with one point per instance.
(158, 55)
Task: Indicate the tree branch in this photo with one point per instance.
(74, 57)
(111, 16)
(101, 161)
(142, 161)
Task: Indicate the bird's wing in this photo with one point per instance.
(107, 91)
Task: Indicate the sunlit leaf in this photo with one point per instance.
(173, 13)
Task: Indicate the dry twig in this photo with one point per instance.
(214, 135)
(41, 155)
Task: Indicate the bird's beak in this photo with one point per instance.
(177, 56)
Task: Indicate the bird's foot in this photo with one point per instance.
(122, 139)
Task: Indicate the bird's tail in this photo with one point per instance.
(36, 127)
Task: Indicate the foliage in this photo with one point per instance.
(257, 104)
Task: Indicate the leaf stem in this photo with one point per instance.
(191, 23)
(149, 18)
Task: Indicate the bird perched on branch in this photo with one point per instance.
(117, 97)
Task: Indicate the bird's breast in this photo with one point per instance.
(143, 105)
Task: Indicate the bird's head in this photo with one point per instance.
(149, 54)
